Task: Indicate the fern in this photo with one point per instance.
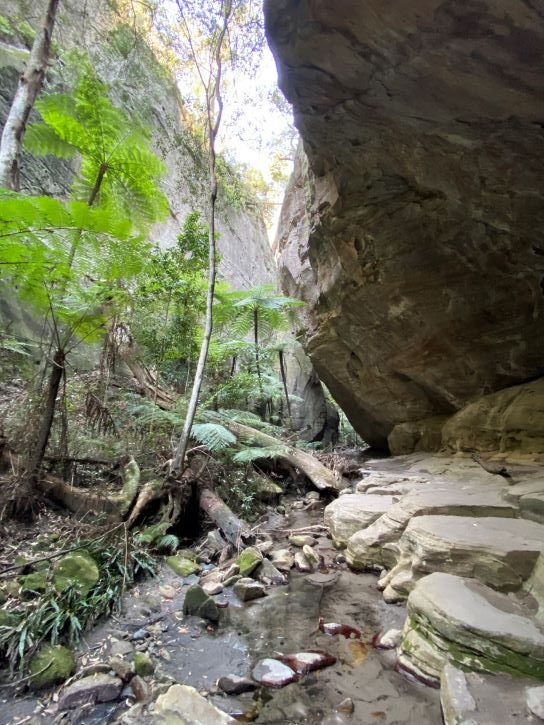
(111, 147)
(248, 455)
(212, 435)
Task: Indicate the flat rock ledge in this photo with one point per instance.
(351, 513)
(465, 623)
(372, 545)
(501, 553)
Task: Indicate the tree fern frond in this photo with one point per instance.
(212, 435)
(248, 455)
(43, 140)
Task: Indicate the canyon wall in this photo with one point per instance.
(413, 226)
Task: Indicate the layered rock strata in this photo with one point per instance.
(463, 622)
(413, 223)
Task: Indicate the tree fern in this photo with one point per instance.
(111, 148)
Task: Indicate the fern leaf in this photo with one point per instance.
(212, 435)
(248, 455)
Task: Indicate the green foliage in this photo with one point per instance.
(212, 435)
(62, 616)
(111, 147)
(248, 455)
(170, 298)
(156, 537)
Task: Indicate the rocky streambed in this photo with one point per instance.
(420, 594)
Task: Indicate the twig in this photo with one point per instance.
(305, 529)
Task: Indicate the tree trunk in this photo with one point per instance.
(44, 431)
(30, 84)
(284, 381)
(213, 99)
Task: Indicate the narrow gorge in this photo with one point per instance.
(356, 531)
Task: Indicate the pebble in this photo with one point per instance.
(301, 540)
(302, 563)
(247, 589)
(346, 706)
(139, 635)
(389, 640)
(140, 688)
(234, 685)
(304, 662)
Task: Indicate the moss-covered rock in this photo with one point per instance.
(143, 664)
(248, 560)
(180, 565)
(50, 665)
(7, 619)
(34, 583)
(77, 569)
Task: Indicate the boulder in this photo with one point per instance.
(463, 622)
(77, 569)
(411, 228)
(501, 553)
(91, 689)
(199, 604)
(247, 589)
(181, 565)
(373, 545)
(349, 514)
(51, 664)
(269, 574)
(183, 705)
(248, 560)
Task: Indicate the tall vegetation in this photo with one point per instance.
(70, 260)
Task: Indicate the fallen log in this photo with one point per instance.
(322, 478)
(235, 530)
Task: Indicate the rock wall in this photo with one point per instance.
(413, 226)
(146, 90)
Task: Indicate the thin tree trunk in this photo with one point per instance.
(213, 97)
(29, 86)
(40, 444)
(284, 381)
(256, 342)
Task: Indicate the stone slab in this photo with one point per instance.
(349, 514)
(501, 553)
(479, 699)
(368, 547)
(457, 620)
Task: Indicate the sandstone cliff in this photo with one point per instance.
(413, 226)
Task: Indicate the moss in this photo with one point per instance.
(6, 31)
(77, 569)
(143, 664)
(248, 560)
(34, 583)
(181, 566)
(51, 664)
